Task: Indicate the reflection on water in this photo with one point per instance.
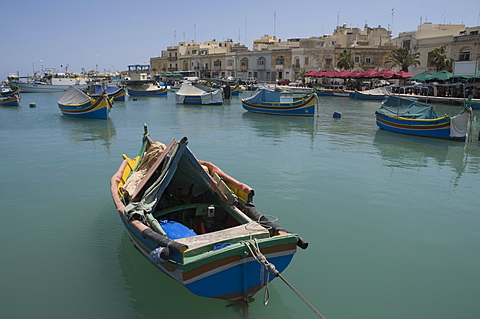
(280, 126)
(89, 130)
(413, 152)
(150, 290)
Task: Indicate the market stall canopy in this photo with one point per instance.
(422, 77)
(441, 76)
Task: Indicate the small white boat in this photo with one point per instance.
(51, 85)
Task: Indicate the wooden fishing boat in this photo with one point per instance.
(195, 93)
(236, 90)
(13, 100)
(11, 91)
(408, 116)
(148, 89)
(341, 93)
(268, 101)
(117, 93)
(76, 103)
(324, 92)
(197, 224)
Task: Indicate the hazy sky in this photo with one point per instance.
(111, 34)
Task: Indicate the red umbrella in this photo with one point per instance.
(369, 74)
(402, 75)
(332, 74)
(344, 74)
(385, 73)
(310, 73)
(356, 74)
(321, 73)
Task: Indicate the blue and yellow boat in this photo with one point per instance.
(76, 103)
(408, 116)
(148, 89)
(197, 224)
(268, 101)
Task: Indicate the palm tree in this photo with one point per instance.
(345, 60)
(440, 59)
(403, 58)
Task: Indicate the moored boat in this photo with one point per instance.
(408, 116)
(13, 100)
(268, 101)
(195, 93)
(147, 89)
(197, 224)
(341, 93)
(51, 85)
(117, 93)
(323, 92)
(76, 103)
(10, 91)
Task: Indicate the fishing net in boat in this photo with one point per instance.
(149, 157)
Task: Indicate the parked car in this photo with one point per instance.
(283, 82)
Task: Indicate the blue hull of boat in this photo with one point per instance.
(429, 128)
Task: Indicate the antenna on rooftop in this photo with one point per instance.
(274, 22)
(338, 18)
(391, 29)
(194, 32)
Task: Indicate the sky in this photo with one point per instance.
(108, 35)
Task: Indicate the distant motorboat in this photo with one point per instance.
(51, 85)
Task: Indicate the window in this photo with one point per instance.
(356, 59)
(217, 63)
(306, 60)
(406, 44)
(464, 56)
(229, 62)
(279, 60)
(368, 60)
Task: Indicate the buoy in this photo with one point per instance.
(134, 99)
(32, 104)
(337, 115)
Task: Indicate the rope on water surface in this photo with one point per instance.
(252, 245)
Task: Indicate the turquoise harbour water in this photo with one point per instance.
(393, 221)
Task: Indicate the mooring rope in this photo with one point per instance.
(252, 245)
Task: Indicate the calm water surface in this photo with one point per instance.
(393, 221)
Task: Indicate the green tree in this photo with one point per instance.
(403, 58)
(345, 60)
(440, 59)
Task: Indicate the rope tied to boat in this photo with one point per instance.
(252, 245)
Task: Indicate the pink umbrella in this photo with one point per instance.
(385, 73)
